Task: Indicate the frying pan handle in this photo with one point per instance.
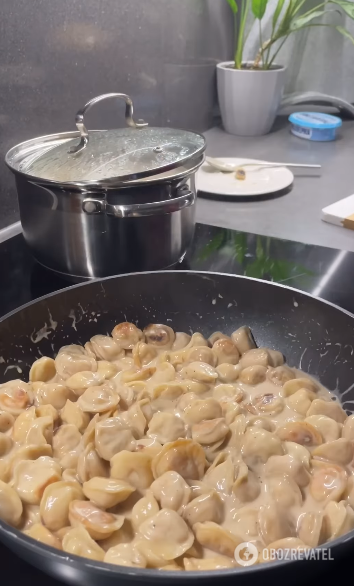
(93, 205)
(79, 118)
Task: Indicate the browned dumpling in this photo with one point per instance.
(106, 492)
(183, 456)
(15, 397)
(126, 335)
(159, 335)
(328, 482)
(98, 523)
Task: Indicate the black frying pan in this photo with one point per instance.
(313, 335)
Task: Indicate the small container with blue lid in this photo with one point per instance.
(314, 125)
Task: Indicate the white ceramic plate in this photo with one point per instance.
(258, 181)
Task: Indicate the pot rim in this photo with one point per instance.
(225, 65)
(147, 178)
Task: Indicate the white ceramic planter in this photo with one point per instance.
(249, 100)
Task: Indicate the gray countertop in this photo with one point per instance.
(296, 215)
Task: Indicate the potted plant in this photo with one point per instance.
(250, 92)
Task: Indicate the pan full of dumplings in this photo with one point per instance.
(162, 451)
(155, 449)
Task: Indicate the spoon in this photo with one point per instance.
(227, 168)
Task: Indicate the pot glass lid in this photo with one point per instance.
(114, 155)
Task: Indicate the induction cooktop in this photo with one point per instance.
(320, 271)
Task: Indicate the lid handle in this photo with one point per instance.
(79, 118)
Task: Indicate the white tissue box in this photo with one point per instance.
(340, 213)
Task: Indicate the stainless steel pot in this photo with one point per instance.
(116, 201)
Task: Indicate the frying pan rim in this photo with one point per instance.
(40, 549)
(175, 272)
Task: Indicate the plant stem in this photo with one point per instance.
(268, 52)
(235, 29)
(260, 40)
(260, 54)
(280, 27)
(241, 33)
(277, 51)
(239, 48)
(268, 246)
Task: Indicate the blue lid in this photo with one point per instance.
(315, 120)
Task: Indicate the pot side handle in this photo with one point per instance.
(79, 119)
(93, 205)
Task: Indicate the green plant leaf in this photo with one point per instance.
(280, 270)
(260, 255)
(255, 270)
(259, 8)
(283, 29)
(240, 246)
(347, 7)
(277, 12)
(304, 20)
(233, 5)
(343, 31)
(298, 4)
(214, 245)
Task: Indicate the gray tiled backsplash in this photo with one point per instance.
(57, 54)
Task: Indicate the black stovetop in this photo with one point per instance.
(323, 272)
